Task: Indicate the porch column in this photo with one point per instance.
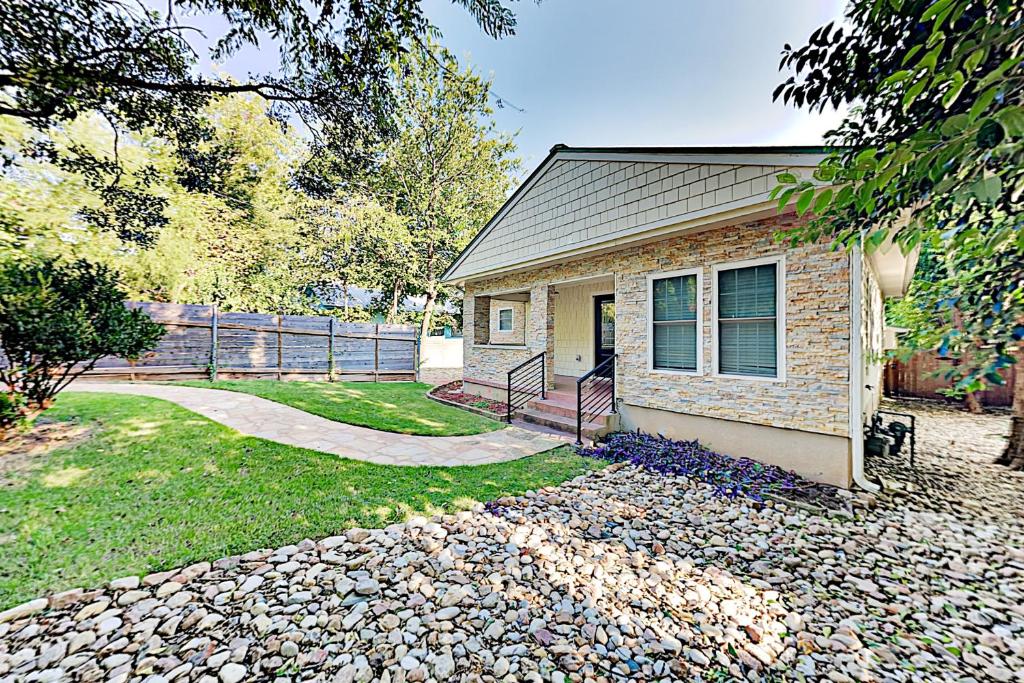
(540, 329)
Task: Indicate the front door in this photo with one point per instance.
(604, 328)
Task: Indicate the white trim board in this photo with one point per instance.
(699, 324)
(649, 232)
(780, 316)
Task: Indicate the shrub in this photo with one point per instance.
(728, 476)
(56, 320)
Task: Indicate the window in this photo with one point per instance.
(675, 321)
(748, 324)
(504, 319)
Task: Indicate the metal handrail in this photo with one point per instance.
(593, 400)
(528, 387)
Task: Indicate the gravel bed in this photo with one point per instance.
(622, 574)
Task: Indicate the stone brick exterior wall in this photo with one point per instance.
(815, 393)
(517, 335)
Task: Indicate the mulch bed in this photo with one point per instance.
(730, 477)
(453, 392)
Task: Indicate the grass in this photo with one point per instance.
(155, 486)
(389, 406)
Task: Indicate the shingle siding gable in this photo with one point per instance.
(579, 201)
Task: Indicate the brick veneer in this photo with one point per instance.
(814, 396)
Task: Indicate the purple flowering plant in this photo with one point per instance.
(729, 477)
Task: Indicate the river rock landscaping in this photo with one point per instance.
(621, 574)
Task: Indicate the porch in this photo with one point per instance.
(548, 335)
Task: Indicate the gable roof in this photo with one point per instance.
(583, 196)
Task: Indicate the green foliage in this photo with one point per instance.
(238, 244)
(56, 321)
(445, 172)
(134, 65)
(931, 154)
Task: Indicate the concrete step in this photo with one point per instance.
(555, 407)
(563, 423)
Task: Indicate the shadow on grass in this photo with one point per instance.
(157, 487)
(389, 406)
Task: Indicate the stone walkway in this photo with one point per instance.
(254, 416)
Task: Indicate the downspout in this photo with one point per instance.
(857, 372)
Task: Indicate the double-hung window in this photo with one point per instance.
(748, 319)
(505, 320)
(675, 321)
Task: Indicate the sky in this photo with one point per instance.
(643, 72)
(630, 72)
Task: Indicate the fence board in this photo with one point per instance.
(925, 374)
(259, 345)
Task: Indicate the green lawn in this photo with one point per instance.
(388, 406)
(155, 486)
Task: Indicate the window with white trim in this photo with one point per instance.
(504, 319)
(748, 320)
(675, 322)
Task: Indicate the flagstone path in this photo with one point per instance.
(254, 416)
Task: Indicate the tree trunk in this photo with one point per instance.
(396, 297)
(972, 403)
(1013, 456)
(428, 310)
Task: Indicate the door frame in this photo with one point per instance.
(598, 300)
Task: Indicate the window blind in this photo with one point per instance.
(505, 320)
(674, 306)
(747, 320)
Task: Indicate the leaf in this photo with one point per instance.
(1012, 120)
(935, 9)
(954, 125)
(956, 87)
(866, 158)
(897, 77)
(804, 202)
(784, 197)
(987, 189)
(786, 178)
(981, 104)
(990, 134)
(822, 201)
(997, 73)
(916, 89)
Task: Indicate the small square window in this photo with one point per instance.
(505, 320)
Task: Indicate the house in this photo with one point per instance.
(374, 302)
(658, 267)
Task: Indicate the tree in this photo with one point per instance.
(56, 321)
(239, 244)
(447, 170)
(353, 241)
(133, 64)
(930, 152)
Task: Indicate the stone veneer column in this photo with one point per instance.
(540, 331)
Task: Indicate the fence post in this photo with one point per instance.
(376, 352)
(213, 344)
(417, 348)
(279, 351)
(330, 349)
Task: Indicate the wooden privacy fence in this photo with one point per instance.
(201, 342)
(925, 374)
